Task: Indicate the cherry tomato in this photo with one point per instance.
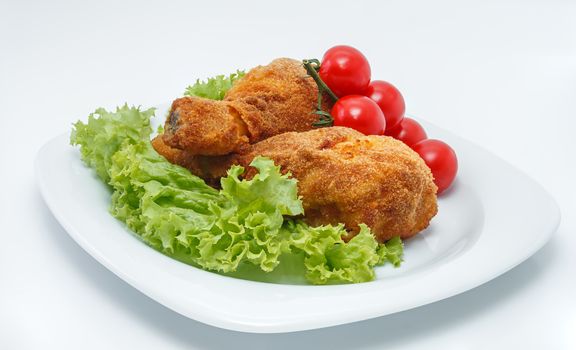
(408, 131)
(360, 113)
(390, 101)
(441, 159)
(345, 70)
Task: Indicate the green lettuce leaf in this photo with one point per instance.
(214, 88)
(106, 132)
(247, 222)
(391, 252)
(268, 189)
(178, 214)
(329, 259)
(160, 201)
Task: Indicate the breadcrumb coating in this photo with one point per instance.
(267, 101)
(202, 126)
(346, 177)
(276, 98)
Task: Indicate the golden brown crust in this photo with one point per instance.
(346, 177)
(203, 126)
(267, 101)
(284, 95)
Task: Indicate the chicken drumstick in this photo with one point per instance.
(267, 101)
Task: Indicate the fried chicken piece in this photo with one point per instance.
(345, 177)
(203, 126)
(284, 95)
(267, 101)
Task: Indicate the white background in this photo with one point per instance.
(500, 73)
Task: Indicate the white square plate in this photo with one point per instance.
(492, 219)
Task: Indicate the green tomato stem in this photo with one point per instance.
(325, 119)
(311, 69)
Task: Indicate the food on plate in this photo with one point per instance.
(345, 70)
(250, 222)
(359, 113)
(202, 126)
(408, 131)
(214, 88)
(343, 177)
(441, 159)
(287, 159)
(343, 74)
(438, 156)
(267, 101)
(390, 101)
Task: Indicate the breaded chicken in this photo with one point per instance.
(202, 126)
(267, 101)
(343, 177)
(276, 98)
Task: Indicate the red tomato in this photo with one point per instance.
(360, 113)
(390, 101)
(441, 159)
(408, 131)
(345, 70)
